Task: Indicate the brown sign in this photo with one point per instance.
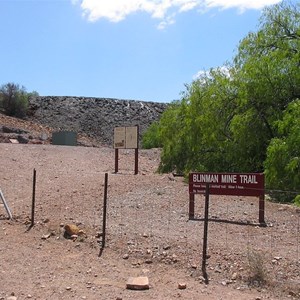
(236, 184)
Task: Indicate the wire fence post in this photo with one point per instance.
(33, 198)
(104, 212)
(205, 232)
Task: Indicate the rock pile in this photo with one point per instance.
(95, 117)
(19, 136)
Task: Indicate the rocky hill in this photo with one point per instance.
(93, 117)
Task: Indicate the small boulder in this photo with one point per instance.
(181, 286)
(72, 229)
(138, 283)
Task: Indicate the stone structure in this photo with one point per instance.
(95, 117)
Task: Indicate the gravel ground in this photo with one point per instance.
(148, 232)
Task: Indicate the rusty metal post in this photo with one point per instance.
(33, 198)
(104, 211)
(205, 232)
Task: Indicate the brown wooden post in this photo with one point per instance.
(136, 153)
(116, 160)
(136, 161)
(192, 207)
(261, 215)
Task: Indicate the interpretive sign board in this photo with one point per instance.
(239, 184)
(231, 184)
(119, 137)
(126, 137)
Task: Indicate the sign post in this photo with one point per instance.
(235, 184)
(205, 233)
(192, 206)
(116, 160)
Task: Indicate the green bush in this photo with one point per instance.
(297, 200)
(151, 138)
(14, 100)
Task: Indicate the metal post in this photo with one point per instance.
(205, 231)
(33, 198)
(5, 205)
(104, 211)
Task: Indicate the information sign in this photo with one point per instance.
(239, 184)
(126, 137)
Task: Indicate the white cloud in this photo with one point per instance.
(165, 10)
(240, 4)
(202, 75)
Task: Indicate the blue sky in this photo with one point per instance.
(127, 49)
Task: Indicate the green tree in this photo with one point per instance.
(171, 133)
(210, 103)
(228, 117)
(14, 100)
(282, 166)
(268, 78)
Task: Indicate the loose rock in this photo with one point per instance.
(138, 283)
(181, 286)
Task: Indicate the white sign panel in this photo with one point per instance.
(119, 138)
(126, 137)
(131, 137)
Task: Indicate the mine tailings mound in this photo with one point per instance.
(95, 117)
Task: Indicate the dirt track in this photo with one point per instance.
(148, 232)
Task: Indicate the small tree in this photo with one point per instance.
(14, 100)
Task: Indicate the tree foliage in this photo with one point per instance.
(151, 138)
(14, 99)
(282, 166)
(241, 117)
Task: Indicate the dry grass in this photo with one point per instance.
(257, 269)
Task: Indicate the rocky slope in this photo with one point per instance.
(94, 117)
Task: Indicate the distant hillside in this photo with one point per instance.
(94, 117)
